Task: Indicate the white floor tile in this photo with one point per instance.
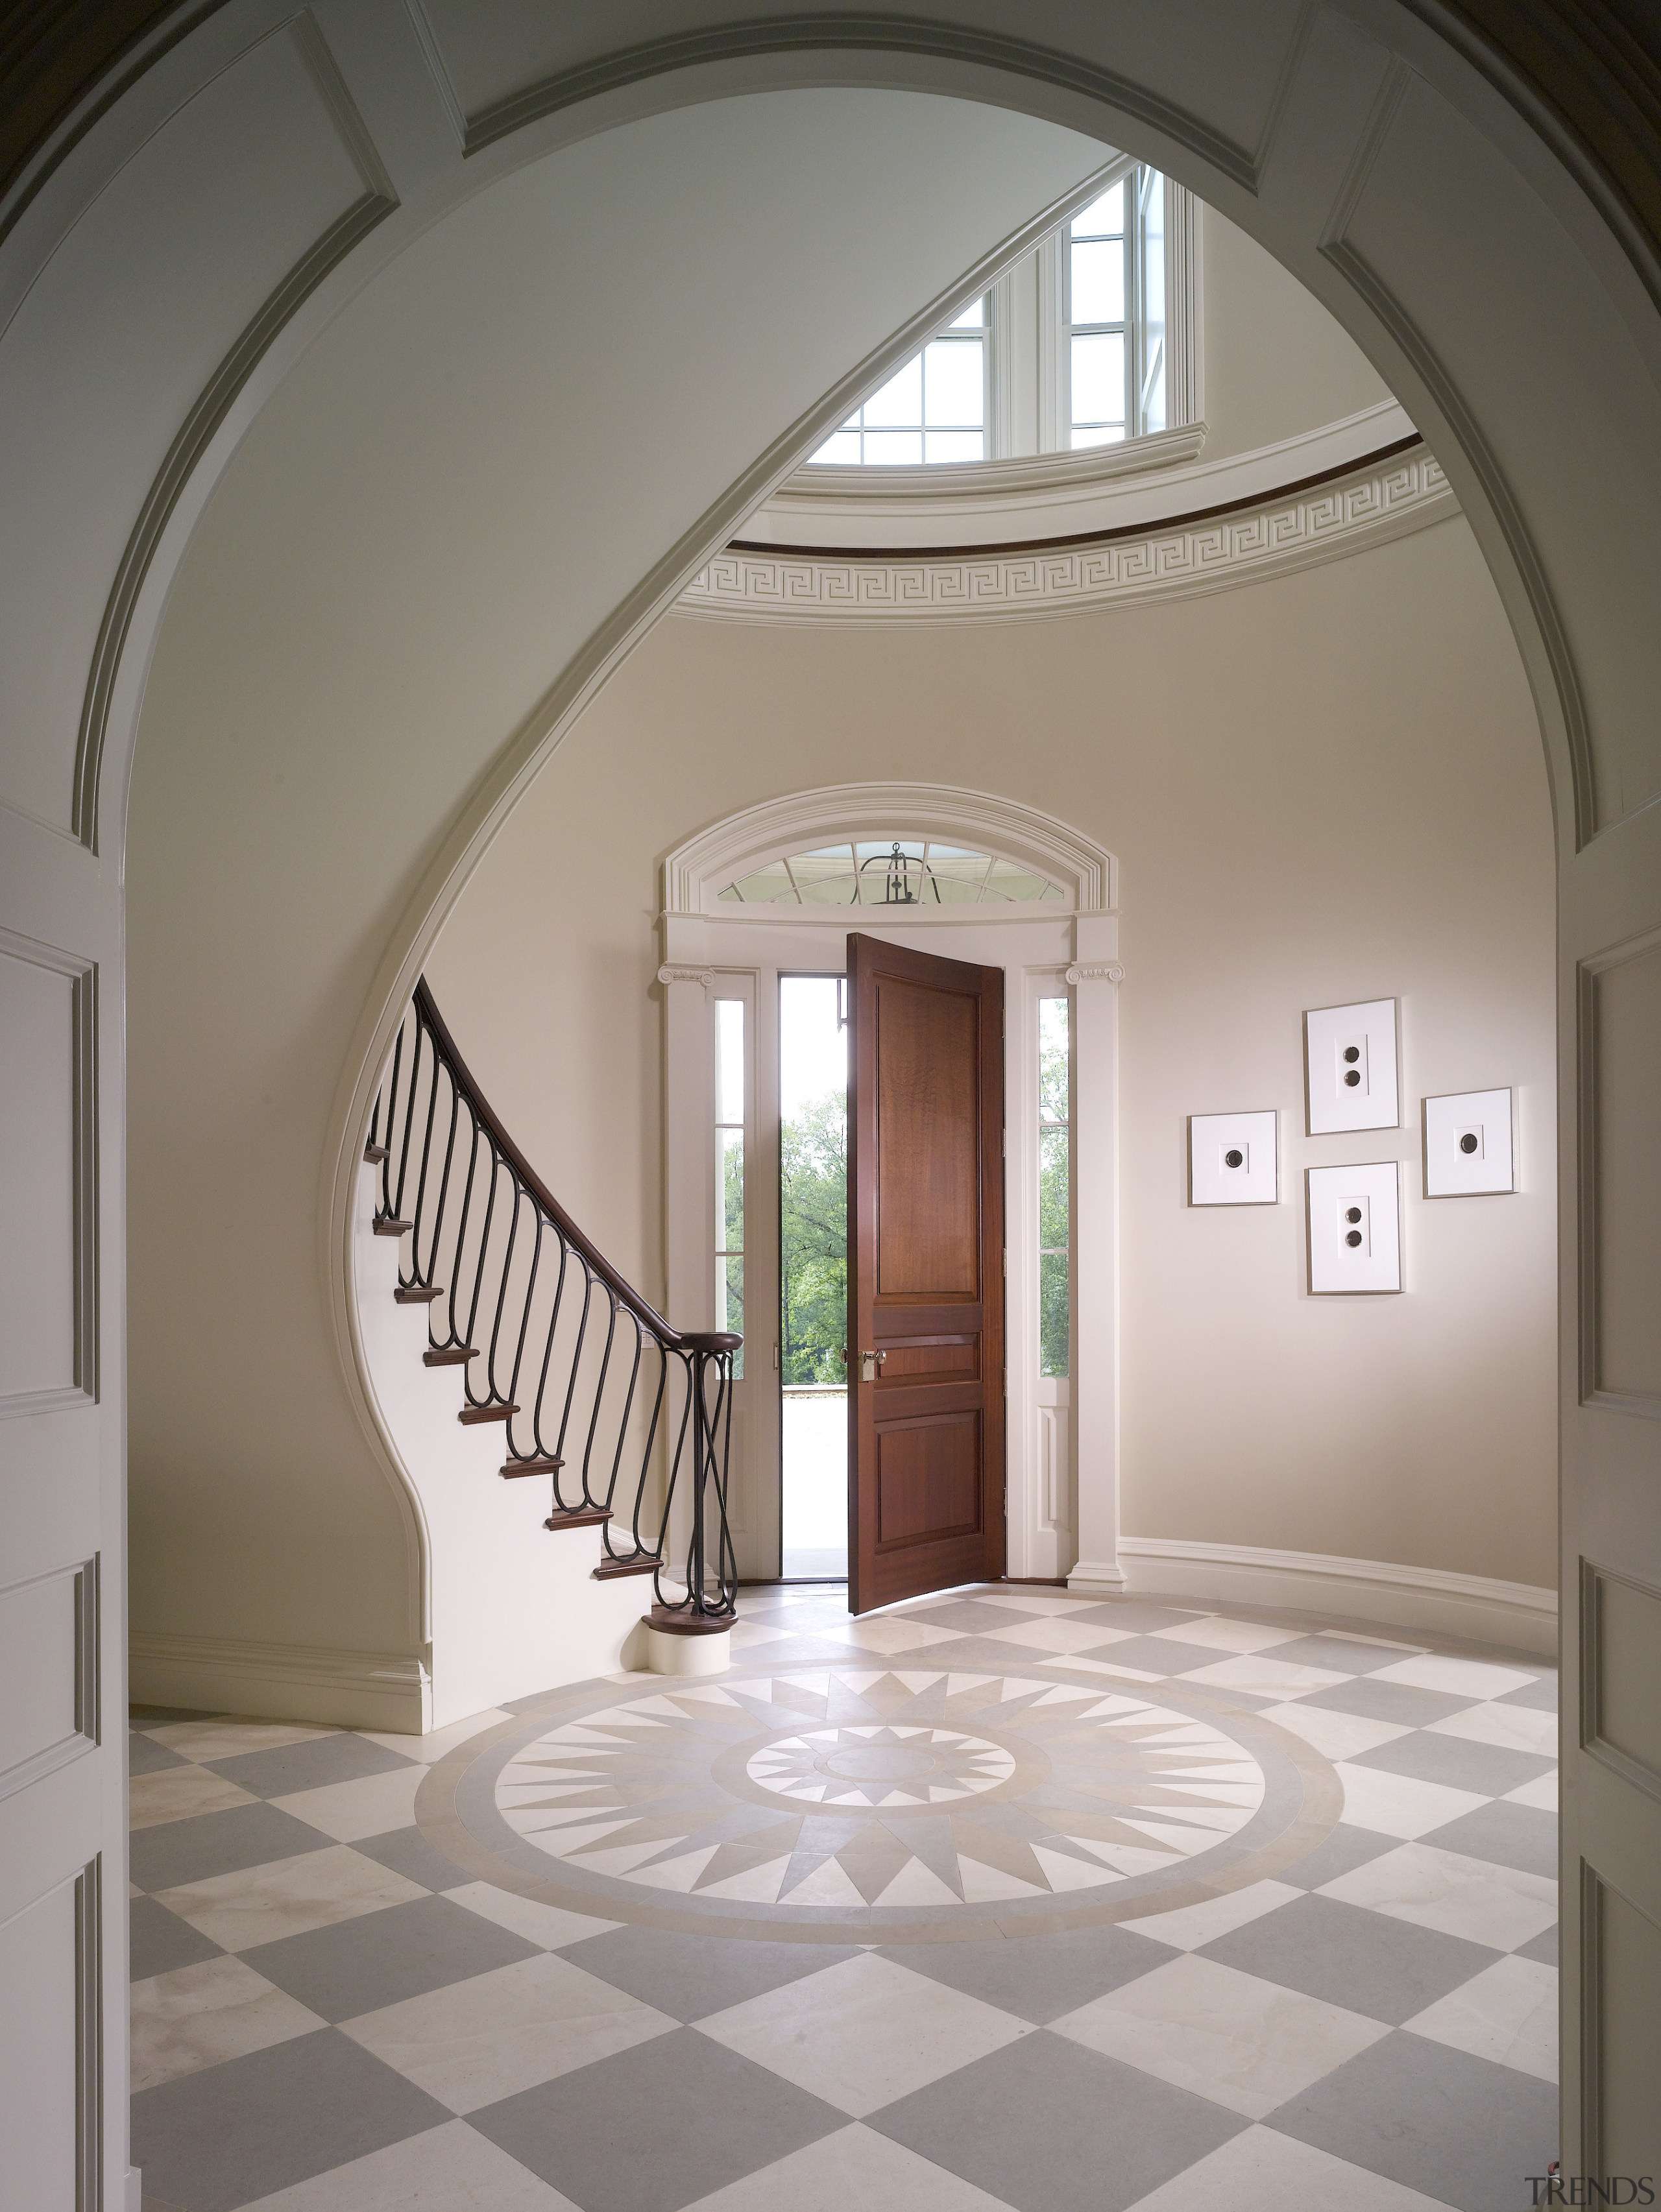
(1259, 1677)
(229, 1739)
(431, 1748)
(199, 2015)
(1246, 2044)
(447, 2169)
(367, 1807)
(1508, 2013)
(1048, 1632)
(1459, 1678)
(179, 1793)
(1229, 1635)
(1540, 1793)
(864, 2031)
(1260, 2171)
(1460, 1896)
(287, 1896)
(495, 2034)
(887, 1634)
(1191, 1925)
(1513, 1728)
(853, 2168)
(1399, 1804)
(1335, 1736)
(549, 1926)
(1037, 1602)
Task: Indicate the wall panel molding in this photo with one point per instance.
(62, 1608)
(1600, 1142)
(1273, 536)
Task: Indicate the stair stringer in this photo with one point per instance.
(515, 1608)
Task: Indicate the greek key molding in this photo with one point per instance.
(1271, 538)
(1092, 971)
(671, 974)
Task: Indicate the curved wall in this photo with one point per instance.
(1318, 789)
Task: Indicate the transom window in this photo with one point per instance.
(892, 872)
(932, 409)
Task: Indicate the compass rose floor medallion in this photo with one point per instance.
(891, 1802)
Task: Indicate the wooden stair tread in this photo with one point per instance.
(448, 1355)
(470, 1415)
(513, 1467)
(580, 1517)
(418, 1294)
(388, 1224)
(608, 1569)
(668, 1623)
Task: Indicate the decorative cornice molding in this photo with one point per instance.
(1271, 538)
(667, 974)
(1092, 971)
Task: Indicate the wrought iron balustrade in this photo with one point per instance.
(629, 1417)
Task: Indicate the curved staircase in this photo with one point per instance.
(505, 1354)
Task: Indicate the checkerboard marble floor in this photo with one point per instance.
(333, 2011)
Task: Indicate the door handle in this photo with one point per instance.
(869, 1363)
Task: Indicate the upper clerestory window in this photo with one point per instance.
(1070, 349)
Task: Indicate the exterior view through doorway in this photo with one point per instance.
(813, 1276)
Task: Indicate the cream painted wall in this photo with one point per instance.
(474, 465)
(1324, 787)
(1276, 363)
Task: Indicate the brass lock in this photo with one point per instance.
(869, 1363)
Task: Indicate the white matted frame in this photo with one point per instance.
(713, 947)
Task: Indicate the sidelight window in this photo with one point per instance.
(730, 1070)
(1055, 1186)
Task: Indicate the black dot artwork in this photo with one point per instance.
(1353, 1078)
(1354, 1215)
(1351, 1053)
(1468, 1143)
(1233, 1160)
(1354, 1237)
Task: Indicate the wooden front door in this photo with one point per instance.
(925, 1288)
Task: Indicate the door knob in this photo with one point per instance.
(869, 1363)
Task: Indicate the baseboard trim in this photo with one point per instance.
(1097, 1578)
(1474, 1607)
(388, 1690)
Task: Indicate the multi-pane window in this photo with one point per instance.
(729, 1169)
(1055, 1186)
(932, 409)
(1114, 283)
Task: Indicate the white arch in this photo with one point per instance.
(695, 872)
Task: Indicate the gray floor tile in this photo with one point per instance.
(161, 1941)
(232, 2133)
(1368, 1962)
(149, 1716)
(408, 1852)
(1543, 1948)
(1345, 1849)
(1388, 1701)
(292, 1766)
(657, 2127)
(690, 1977)
(219, 1843)
(1487, 1768)
(381, 1958)
(1047, 2126)
(1337, 1653)
(146, 1756)
(1519, 1836)
(1038, 1977)
(1540, 1695)
(1132, 1613)
(1459, 2130)
(1160, 1654)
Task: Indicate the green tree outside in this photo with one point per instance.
(813, 1241)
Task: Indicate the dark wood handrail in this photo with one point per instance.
(624, 1291)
